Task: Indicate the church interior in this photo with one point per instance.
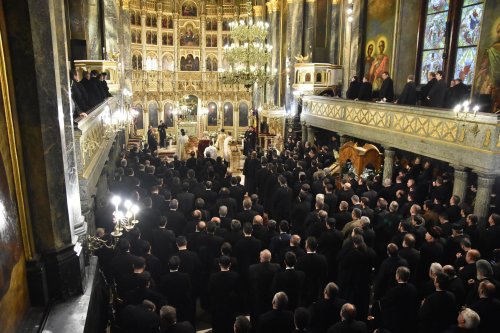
(250, 166)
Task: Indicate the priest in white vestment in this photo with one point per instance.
(227, 147)
(181, 143)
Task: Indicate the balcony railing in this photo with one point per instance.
(472, 142)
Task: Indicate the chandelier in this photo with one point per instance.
(248, 55)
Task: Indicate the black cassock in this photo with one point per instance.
(162, 129)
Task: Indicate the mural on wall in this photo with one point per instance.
(212, 114)
(379, 33)
(138, 120)
(487, 79)
(13, 288)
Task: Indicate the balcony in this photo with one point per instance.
(472, 142)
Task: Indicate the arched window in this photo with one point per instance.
(450, 39)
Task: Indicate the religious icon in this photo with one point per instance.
(488, 76)
(189, 37)
(435, 6)
(212, 114)
(432, 61)
(369, 57)
(465, 64)
(189, 9)
(169, 115)
(379, 65)
(243, 115)
(435, 29)
(228, 114)
(470, 25)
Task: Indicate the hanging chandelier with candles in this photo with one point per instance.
(248, 55)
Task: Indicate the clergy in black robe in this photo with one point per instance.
(424, 91)
(366, 91)
(437, 94)
(354, 87)
(162, 129)
(409, 94)
(386, 93)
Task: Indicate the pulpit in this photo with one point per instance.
(360, 157)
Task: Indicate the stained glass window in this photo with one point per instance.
(434, 37)
(468, 38)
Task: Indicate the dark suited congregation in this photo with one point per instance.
(296, 249)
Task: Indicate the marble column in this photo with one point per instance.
(343, 139)
(143, 39)
(309, 28)
(310, 134)
(351, 48)
(483, 195)
(111, 26)
(93, 30)
(304, 132)
(460, 177)
(294, 38)
(44, 110)
(335, 31)
(388, 162)
(274, 20)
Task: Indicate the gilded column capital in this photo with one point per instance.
(273, 6)
(258, 11)
(125, 4)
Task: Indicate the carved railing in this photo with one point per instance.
(472, 142)
(95, 134)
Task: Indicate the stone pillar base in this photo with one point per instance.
(64, 275)
(37, 283)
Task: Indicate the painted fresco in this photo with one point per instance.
(243, 114)
(13, 287)
(379, 33)
(487, 79)
(153, 114)
(189, 9)
(228, 114)
(169, 115)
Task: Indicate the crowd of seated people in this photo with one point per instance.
(88, 92)
(434, 93)
(298, 250)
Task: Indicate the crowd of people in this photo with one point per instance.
(435, 93)
(88, 92)
(298, 249)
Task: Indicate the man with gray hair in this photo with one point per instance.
(260, 277)
(168, 321)
(278, 319)
(467, 322)
(484, 272)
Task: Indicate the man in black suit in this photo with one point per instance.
(487, 307)
(260, 277)
(437, 94)
(348, 323)
(277, 320)
(315, 266)
(326, 311)
(247, 215)
(163, 241)
(282, 200)
(366, 91)
(290, 281)
(299, 213)
(329, 245)
(242, 325)
(490, 238)
(386, 93)
(186, 200)
(354, 87)
(176, 287)
(438, 311)
(210, 197)
(387, 272)
(294, 247)
(229, 202)
(123, 263)
(210, 246)
(431, 251)
(247, 249)
(256, 206)
(424, 91)
(169, 324)
(223, 287)
(411, 255)
(140, 318)
(79, 95)
(343, 216)
(280, 241)
(250, 167)
(398, 307)
(237, 193)
(409, 94)
(176, 220)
